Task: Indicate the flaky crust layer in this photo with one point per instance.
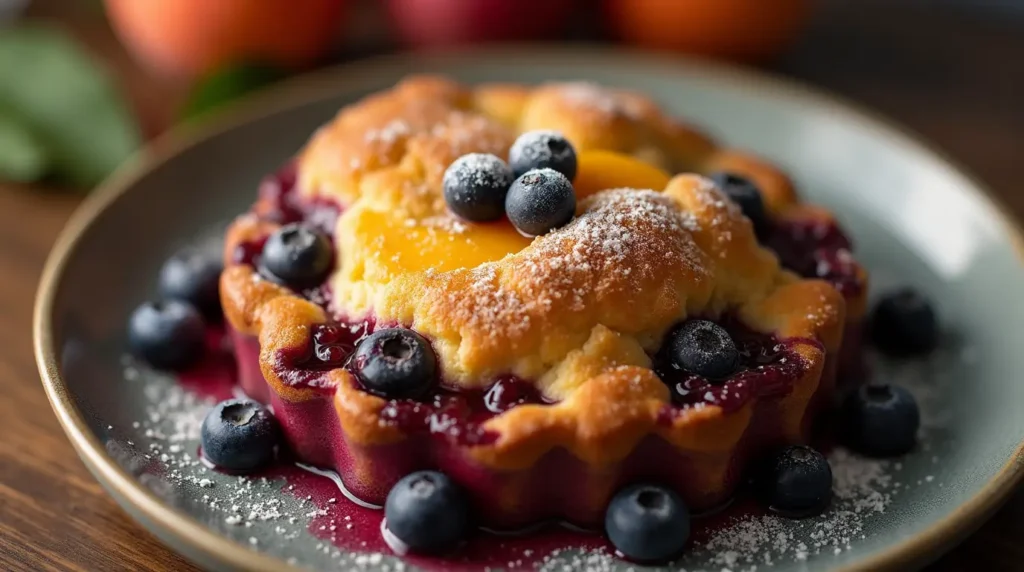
(577, 311)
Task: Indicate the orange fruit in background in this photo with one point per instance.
(747, 30)
(191, 37)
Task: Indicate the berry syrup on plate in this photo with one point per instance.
(356, 526)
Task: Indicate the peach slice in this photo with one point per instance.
(600, 170)
(400, 248)
(192, 37)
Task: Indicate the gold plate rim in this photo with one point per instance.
(332, 81)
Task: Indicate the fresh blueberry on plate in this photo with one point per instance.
(193, 275)
(704, 348)
(648, 523)
(796, 482)
(542, 150)
(297, 256)
(540, 201)
(427, 512)
(240, 435)
(395, 363)
(170, 335)
(746, 195)
(880, 420)
(475, 186)
(904, 324)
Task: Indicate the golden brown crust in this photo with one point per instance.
(784, 204)
(776, 187)
(577, 310)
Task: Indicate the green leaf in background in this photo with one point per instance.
(22, 157)
(66, 102)
(227, 84)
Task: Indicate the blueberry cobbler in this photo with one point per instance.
(505, 305)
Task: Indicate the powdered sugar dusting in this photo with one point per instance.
(435, 135)
(590, 561)
(471, 133)
(622, 223)
(862, 488)
(477, 170)
(862, 485)
(606, 102)
(252, 510)
(928, 379)
(388, 134)
(724, 211)
(535, 147)
(162, 450)
(624, 238)
(822, 313)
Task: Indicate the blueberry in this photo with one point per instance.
(703, 348)
(880, 420)
(543, 150)
(647, 523)
(795, 482)
(193, 275)
(540, 201)
(475, 186)
(746, 195)
(169, 335)
(297, 256)
(395, 363)
(427, 512)
(240, 435)
(904, 324)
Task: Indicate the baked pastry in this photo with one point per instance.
(550, 361)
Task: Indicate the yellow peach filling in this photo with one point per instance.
(387, 246)
(600, 170)
(395, 246)
(377, 244)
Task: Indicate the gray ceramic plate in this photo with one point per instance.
(916, 220)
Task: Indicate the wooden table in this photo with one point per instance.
(954, 78)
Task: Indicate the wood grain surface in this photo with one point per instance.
(952, 76)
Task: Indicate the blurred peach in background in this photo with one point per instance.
(189, 37)
(199, 55)
(748, 30)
